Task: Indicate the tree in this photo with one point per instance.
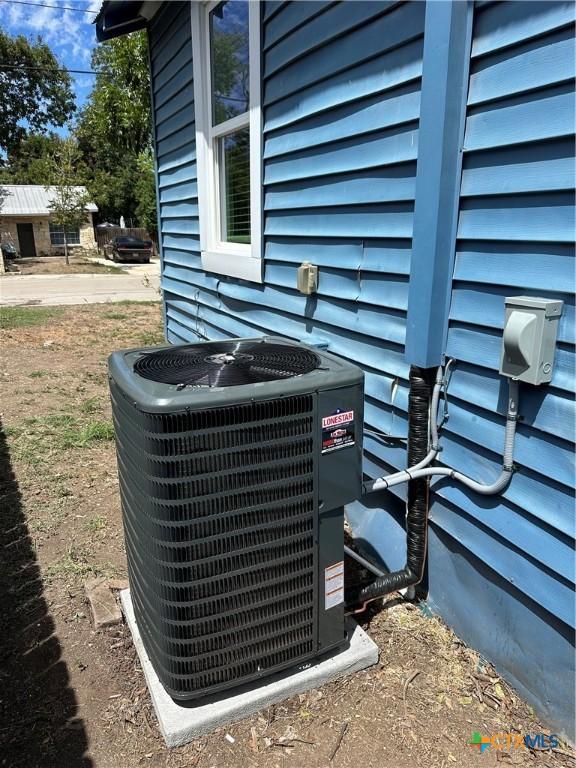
(114, 130)
(145, 190)
(29, 161)
(35, 93)
(68, 203)
(116, 121)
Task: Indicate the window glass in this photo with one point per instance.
(57, 235)
(234, 164)
(229, 58)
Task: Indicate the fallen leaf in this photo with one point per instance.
(499, 691)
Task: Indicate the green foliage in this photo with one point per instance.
(38, 374)
(75, 563)
(152, 338)
(113, 189)
(145, 190)
(36, 439)
(20, 317)
(3, 194)
(112, 149)
(95, 431)
(29, 161)
(31, 93)
(117, 117)
(96, 524)
(91, 405)
(115, 132)
(68, 203)
(114, 316)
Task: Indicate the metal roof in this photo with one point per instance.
(32, 200)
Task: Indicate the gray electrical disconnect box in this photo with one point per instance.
(529, 339)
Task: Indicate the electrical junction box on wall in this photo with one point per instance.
(307, 281)
(529, 338)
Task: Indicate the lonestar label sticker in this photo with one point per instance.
(337, 418)
(337, 431)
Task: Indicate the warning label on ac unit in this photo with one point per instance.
(337, 431)
(334, 585)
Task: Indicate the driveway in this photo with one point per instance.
(151, 268)
(51, 290)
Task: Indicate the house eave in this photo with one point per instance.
(117, 18)
(37, 214)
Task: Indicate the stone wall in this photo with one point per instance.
(87, 239)
(9, 233)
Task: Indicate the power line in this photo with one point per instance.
(52, 69)
(47, 5)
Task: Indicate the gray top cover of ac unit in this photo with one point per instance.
(155, 397)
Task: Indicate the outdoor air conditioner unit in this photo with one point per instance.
(235, 459)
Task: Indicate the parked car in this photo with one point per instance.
(9, 251)
(128, 249)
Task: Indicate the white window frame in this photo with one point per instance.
(57, 233)
(233, 259)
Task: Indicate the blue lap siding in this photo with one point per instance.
(341, 94)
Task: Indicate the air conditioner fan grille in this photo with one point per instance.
(226, 363)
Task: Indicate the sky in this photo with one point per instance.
(70, 35)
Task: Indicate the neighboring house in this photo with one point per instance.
(25, 222)
(422, 156)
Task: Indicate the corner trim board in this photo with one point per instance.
(446, 65)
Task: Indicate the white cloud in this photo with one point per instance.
(15, 13)
(70, 34)
(44, 21)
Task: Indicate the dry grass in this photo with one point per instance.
(56, 265)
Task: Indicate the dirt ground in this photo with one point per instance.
(56, 265)
(71, 696)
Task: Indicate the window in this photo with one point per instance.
(226, 50)
(57, 235)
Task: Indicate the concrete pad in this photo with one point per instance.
(180, 722)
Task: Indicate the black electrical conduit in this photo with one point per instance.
(421, 381)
